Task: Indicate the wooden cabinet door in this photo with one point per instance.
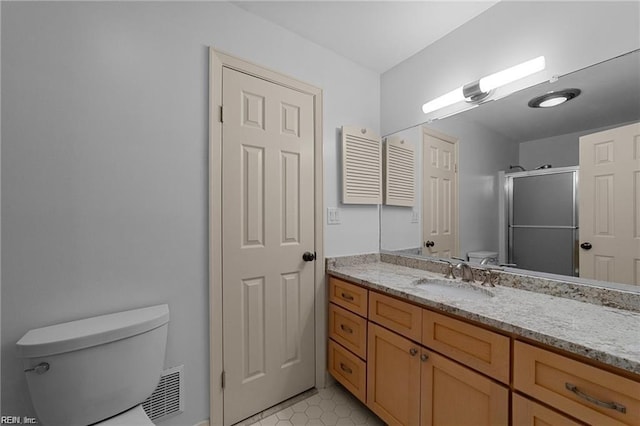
(529, 413)
(393, 377)
(455, 395)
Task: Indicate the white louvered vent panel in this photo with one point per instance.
(168, 398)
(361, 166)
(399, 173)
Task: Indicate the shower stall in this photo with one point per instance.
(542, 220)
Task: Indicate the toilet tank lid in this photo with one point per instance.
(482, 254)
(85, 333)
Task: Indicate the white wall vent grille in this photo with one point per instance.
(361, 166)
(168, 398)
(399, 173)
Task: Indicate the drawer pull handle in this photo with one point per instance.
(611, 405)
(347, 296)
(346, 329)
(345, 368)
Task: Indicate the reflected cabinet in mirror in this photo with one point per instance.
(546, 189)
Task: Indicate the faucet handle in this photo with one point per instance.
(490, 277)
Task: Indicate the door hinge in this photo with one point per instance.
(223, 379)
(221, 116)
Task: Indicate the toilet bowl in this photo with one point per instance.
(94, 370)
(133, 417)
(489, 257)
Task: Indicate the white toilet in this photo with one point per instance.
(96, 370)
(489, 257)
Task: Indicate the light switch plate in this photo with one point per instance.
(414, 216)
(333, 216)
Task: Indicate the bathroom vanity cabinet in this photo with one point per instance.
(413, 365)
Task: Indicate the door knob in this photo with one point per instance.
(586, 246)
(308, 256)
(429, 244)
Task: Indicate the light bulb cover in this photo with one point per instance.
(512, 74)
(477, 91)
(447, 99)
(554, 98)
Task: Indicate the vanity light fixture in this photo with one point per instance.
(552, 99)
(479, 90)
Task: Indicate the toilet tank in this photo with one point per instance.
(490, 257)
(88, 370)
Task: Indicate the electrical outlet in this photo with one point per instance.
(333, 216)
(414, 216)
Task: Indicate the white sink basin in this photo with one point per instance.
(452, 289)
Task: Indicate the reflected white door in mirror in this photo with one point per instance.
(609, 209)
(440, 194)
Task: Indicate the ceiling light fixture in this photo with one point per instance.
(479, 90)
(552, 99)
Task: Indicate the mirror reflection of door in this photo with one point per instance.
(610, 205)
(440, 194)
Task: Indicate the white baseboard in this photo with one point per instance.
(202, 423)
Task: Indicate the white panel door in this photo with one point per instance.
(268, 223)
(440, 196)
(609, 206)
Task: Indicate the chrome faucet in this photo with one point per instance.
(486, 260)
(467, 272)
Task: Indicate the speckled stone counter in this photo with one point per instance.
(603, 333)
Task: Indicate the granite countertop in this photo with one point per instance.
(605, 334)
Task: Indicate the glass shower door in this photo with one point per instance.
(543, 227)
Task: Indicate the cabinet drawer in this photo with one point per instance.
(349, 370)
(529, 413)
(587, 393)
(401, 317)
(349, 296)
(480, 349)
(348, 329)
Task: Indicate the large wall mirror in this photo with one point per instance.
(491, 149)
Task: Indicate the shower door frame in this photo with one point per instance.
(508, 181)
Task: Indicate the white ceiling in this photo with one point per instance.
(375, 34)
(380, 34)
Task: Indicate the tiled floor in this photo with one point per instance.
(330, 406)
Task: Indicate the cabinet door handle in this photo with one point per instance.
(413, 351)
(345, 368)
(424, 357)
(347, 296)
(346, 329)
(596, 401)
